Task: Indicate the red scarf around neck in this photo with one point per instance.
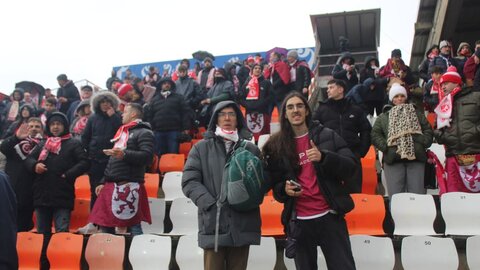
(53, 145)
(121, 137)
(80, 125)
(253, 88)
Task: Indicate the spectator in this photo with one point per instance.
(190, 73)
(345, 70)
(67, 93)
(395, 66)
(16, 149)
(245, 70)
(458, 117)
(79, 123)
(12, 109)
(278, 73)
(300, 73)
(471, 65)
(369, 95)
(205, 77)
(201, 182)
(256, 97)
(169, 115)
(231, 75)
(113, 78)
(57, 163)
(152, 77)
(463, 53)
(8, 233)
(221, 90)
(128, 94)
(189, 89)
(86, 92)
(124, 177)
(444, 59)
(371, 69)
(320, 161)
(49, 107)
(423, 67)
(350, 122)
(26, 111)
(403, 134)
(432, 90)
(27, 99)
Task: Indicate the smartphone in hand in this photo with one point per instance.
(298, 187)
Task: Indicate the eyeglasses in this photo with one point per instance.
(224, 114)
(299, 106)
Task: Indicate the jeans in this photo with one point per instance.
(166, 142)
(59, 216)
(134, 230)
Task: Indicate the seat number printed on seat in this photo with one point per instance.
(428, 243)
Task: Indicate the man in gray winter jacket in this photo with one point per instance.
(202, 181)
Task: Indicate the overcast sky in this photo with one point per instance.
(85, 39)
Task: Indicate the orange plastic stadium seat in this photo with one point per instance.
(152, 182)
(271, 211)
(29, 248)
(65, 251)
(105, 251)
(367, 216)
(194, 141)
(184, 148)
(243, 110)
(274, 115)
(171, 163)
(369, 172)
(82, 187)
(199, 135)
(431, 119)
(79, 215)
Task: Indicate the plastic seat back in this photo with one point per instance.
(189, 255)
(184, 148)
(152, 183)
(461, 212)
(64, 251)
(184, 216)
(172, 185)
(105, 252)
(271, 211)
(150, 252)
(157, 212)
(171, 163)
(426, 252)
(413, 214)
(369, 172)
(79, 215)
(372, 253)
(29, 248)
(82, 187)
(473, 246)
(367, 216)
(262, 139)
(263, 256)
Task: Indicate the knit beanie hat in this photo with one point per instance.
(443, 43)
(293, 53)
(397, 53)
(451, 76)
(396, 89)
(124, 89)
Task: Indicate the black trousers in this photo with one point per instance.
(95, 174)
(331, 234)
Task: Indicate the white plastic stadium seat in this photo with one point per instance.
(461, 212)
(413, 214)
(372, 253)
(157, 211)
(262, 139)
(264, 256)
(427, 252)
(150, 252)
(172, 185)
(473, 246)
(321, 263)
(189, 255)
(184, 216)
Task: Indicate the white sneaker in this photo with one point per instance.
(90, 228)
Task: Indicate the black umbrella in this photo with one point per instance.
(201, 55)
(36, 90)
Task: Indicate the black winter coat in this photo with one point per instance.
(190, 90)
(98, 132)
(333, 171)
(70, 92)
(50, 189)
(168, 114)
(20, 178)
(302, 78)
(347, 120)
(265, 98)
(138, 155)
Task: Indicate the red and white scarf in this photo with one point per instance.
(445, 107)
(13, 112)
(253, 88)
(53, 145)
(80, 125)
(121, 137)
(436, 88)
(25, 147)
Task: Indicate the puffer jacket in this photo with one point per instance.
(339, 73)
(202, 180)
(463, 135)
(336, 167)
(421, 141)
(138, 155)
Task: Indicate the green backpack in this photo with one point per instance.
(244, 183)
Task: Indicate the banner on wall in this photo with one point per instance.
(167, 67)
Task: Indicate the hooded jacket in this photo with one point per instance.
(202, 180)
(80, 107)
(50, 189)
(100, 127)
(138, 155)
(339, 73)
(70, 92)
(19, 120)
(368, 71)
(423, 71)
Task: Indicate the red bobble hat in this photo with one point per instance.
(124, 88)
(451, 76)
